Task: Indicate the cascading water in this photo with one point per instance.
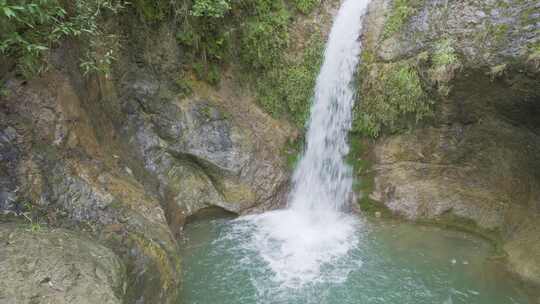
(322, 180)
(306, 242)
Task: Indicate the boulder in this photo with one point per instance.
(58, 266)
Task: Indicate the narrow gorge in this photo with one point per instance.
(255, 151)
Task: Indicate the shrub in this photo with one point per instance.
(256, 35)
(30, 28)
(210, 8)
(444, 53)
(264, 40)
(306, 6)
(151, 10)
(287, 88)
(393, 98)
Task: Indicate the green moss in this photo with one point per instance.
(364, 178)
(393, 99)
(401, 11)
(306, 6)
(161, 269)
(292, 152)
(371, 207)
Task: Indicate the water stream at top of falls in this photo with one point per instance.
(308, 241)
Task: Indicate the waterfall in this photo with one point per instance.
(308, 242)
(322, 180)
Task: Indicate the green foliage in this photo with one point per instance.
(444, 53)
(286, 89)
(26, 30)
(306, 6)
(213, 75)
(100, 55)
(30, 28)
(210, 8)
(258, 8)
(264, 39)
(255, 34)
(393, 97)
(184, 86)
(534, 49)
(402, 10)
(444, 63)
(206, 36)
(284, 85)
(151, 10)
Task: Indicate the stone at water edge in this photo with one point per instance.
(58, 267)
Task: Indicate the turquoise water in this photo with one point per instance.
(393, 262)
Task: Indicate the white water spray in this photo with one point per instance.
(307, 242)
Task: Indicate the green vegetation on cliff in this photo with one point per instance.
(214, 34)
(210, 8)
(400, 13)
(151, 10)
(286, 88)
(394, 97)
(256, 36)
(306, 6)
(30, 28)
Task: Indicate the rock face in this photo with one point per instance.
(63, 174)
(125, 161)
(58, 267)
(474, 159)
(200, 152)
